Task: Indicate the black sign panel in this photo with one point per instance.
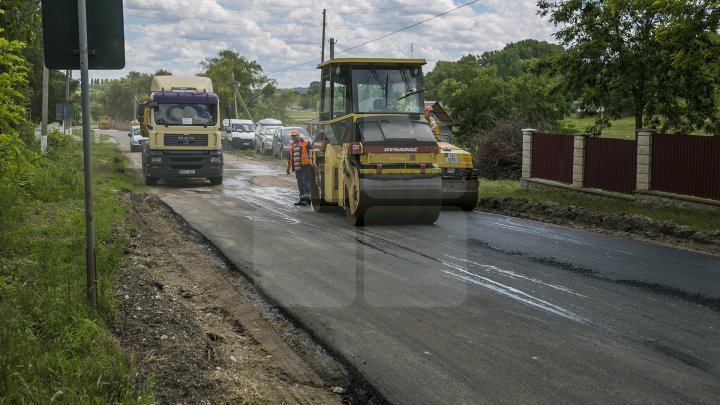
(105, 35)
(64, 112)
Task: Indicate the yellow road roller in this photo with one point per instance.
(375, 154)
(459, 177)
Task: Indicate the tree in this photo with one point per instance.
(463, 69)
(13, 84)
(310, 99)
(516, 58)
(662, 55)
(249, 78)
(15, 133)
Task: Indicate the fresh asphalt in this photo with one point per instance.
(477, 308)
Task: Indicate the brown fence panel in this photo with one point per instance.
(610, 164)
(552, 157)
(686, 164)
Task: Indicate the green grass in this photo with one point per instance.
(696, 219)
(54, 348)
(621, 129)
(299, 117)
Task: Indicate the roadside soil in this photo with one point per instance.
(197, 332)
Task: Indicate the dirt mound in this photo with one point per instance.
(626, 225)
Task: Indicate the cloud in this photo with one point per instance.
(285, 37)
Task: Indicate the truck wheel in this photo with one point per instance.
(150, 181)
(216, 181)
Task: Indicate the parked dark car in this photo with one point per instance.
(281, 141)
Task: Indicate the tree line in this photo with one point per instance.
(657, 61)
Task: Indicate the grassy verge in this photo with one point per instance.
(623, 128)
(54, 347)
(696, 219)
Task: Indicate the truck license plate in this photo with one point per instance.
(451, 158)
(186, 171)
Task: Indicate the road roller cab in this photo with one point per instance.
(375, 155)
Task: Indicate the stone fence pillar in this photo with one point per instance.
(644, 158)
(527, 152)
(578, 176)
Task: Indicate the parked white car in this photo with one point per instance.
(264, 132)
(238, 134)
(136, 139)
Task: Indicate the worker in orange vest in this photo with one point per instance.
(434, 125)
(299, 161)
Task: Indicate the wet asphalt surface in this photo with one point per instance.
(478, 307)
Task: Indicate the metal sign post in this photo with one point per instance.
(66, 47)
(87, 153)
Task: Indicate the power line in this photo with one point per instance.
(410, 26)
(381, 37)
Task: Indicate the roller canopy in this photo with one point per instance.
(394, 130)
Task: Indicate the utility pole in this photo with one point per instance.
(236, 94)
(322, 55)
(233, 88)
(67, 96)
(411, 51)
(332, 48)
(43, 128)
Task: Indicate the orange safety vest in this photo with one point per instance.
(304, 155)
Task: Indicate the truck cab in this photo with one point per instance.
(104, 122)
(181, 121)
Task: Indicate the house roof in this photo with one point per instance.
(440, 113)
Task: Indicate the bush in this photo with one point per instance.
(498, 150)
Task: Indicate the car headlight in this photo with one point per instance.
(216, 159)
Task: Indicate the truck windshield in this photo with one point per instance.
(242, 127)
(388, 90)
(185, 114)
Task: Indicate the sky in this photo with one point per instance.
(285, 36)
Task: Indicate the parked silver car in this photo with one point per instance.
(136, 139)
(264, 131)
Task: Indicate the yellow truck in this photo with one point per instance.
(104, 122)
(180, 118)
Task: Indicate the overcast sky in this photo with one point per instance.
(285, 36)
